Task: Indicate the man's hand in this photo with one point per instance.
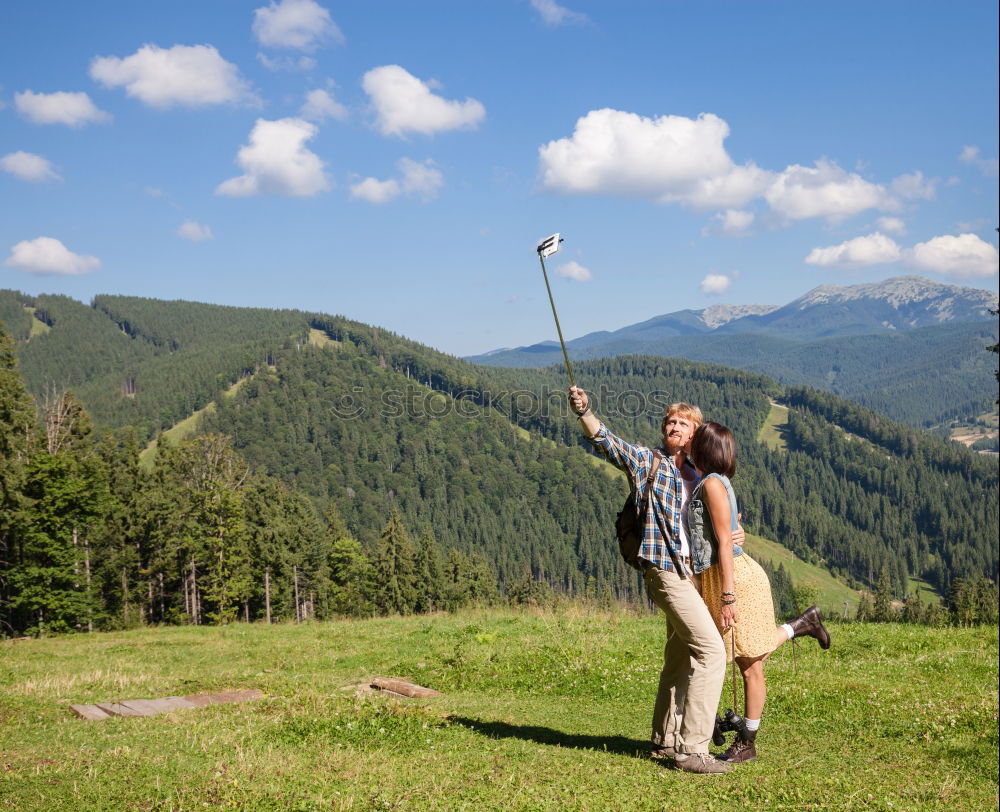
(578, 401)
(580, 404)
(739, 537)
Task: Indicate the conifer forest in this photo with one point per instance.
(332, 468)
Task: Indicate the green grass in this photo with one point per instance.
(541, 711)
(186, 428)
(832, 591)
(38, 327)
(771, 433)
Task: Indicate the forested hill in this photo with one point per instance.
(488, 458)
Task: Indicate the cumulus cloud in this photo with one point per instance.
(971, 155)
(47, 255)
(28, 166)
(575, 271)
(730, 223)
(320, 105)
(299, 24)
(874, 249)
(964, 256)
(277, 162)
(375, 191)
(403, 103)
(184, 75)
(195, 232)
(554, 14)
(891, 225)
(824, 190)
(714, 284)
(674, 159)
(416, 179)
(71, 109)
(914, 186)
(420, 178)
(668, 159)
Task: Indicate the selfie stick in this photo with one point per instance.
(547, 248)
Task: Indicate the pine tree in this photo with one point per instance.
(18, 430)
(429, 576)
(882, 611)
(53, 580)
(395, 579)
(864, 612)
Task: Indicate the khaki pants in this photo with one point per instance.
(694, 665)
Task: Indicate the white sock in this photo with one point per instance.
(788, 630)
(752, 724)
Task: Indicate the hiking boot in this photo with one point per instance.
(662, 752)
(701, 763)
(810, 624)
(742, 749)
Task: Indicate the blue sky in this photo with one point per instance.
(396, 162)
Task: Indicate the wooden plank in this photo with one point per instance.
(151, 707)
(399, 686)
(92, 712)
(204, 700)
(117, 709)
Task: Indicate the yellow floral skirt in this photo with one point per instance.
(755, 627)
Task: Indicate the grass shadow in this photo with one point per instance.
(637, 748)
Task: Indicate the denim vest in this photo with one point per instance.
(701, 534)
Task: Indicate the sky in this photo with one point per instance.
(398, 162)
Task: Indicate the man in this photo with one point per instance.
(694, 660)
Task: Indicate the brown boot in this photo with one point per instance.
(742, 749)
(810, 624)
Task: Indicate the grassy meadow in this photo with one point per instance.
(541, 710)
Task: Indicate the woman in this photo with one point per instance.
(734, 586)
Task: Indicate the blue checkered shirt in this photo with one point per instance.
(635, 461)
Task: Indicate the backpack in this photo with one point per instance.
(630, 523)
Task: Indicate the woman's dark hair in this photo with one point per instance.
(713, 449)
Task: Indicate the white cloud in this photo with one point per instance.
(971, 155)
(825, 190)
(715, 284)
(874, 249)
(554, 14)
(276, 162)
(185, 75)
(574, 270)
(891, 225)
(420, 178)
(416, 178)
(403, 103)
(287, 63)
(731, 222)
(914, 186)
(668, 159)
(195, 232)
(28, 166)
(47, 255)
(71, 109)
(320, 105)
(674, 159)
(299, 24)
(963, 256)
(375, 191)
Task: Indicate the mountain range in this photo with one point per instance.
(487, 458)
(909, 347)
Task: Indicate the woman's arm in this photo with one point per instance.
(717, 501)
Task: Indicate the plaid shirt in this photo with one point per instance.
(635, 461)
